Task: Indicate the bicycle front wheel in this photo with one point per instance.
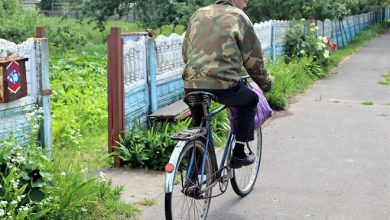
(244, 178)
(181, 204)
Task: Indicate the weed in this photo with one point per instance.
(367, 103)
(148, 202)
(386, 80)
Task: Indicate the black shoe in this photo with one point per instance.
(238, 162)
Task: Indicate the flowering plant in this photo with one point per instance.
(23, 177)
(301, 43)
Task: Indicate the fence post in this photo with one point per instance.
(151, 48)
(115, 78)
(40, 32)
(273, 41)
(45, 130)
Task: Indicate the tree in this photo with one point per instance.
(47, 4)
(149, 13)
(17, 24)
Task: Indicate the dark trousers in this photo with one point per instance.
(239, 96)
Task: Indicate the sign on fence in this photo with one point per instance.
(27, 79)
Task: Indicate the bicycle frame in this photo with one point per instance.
(209, 142)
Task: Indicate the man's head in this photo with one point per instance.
(241, 4)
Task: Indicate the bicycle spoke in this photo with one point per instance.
(244, 178)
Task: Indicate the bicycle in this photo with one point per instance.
(192, 171)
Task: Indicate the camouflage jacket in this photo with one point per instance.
(219, 40)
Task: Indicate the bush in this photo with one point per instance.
(17, 24)
(79, 100)
(34, 187)
(150, 148)
(291, 78)
(304, 43)
(65, 37)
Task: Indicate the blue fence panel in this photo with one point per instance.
(137, 106)
(169, 90)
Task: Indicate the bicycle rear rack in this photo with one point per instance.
(190, 134)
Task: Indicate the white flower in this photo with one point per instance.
(63, 173)
(14, 202)
(302, 52)
(326, 54)
(3, 203)
(102, 176)
(1, 212)
(320, 45)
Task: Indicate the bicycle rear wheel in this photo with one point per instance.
(244, 178)
(179, 204)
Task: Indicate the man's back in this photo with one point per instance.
(211, 53)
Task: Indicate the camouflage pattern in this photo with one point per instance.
(220, 40)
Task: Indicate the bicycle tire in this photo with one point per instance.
(244, 178)
(181, 206)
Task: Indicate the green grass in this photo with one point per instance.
(148, 202)
(367, 103)
(359, 41)
(386, 80)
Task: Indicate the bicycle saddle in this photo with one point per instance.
(199, 98)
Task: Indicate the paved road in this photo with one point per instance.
(329, 158)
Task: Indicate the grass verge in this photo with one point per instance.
(358, 42)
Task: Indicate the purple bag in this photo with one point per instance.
(263, 111)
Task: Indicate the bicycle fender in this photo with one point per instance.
(169, 177)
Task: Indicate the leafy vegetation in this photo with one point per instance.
(152, 147)
(386, 80)
(291, 78)
(367, 103)
(34, 187)
(79, 99)
(16, 22)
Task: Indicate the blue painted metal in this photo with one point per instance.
(152, 75)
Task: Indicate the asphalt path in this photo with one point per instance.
(328, 157)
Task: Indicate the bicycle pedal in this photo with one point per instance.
(189, 134)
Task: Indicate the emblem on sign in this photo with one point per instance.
(13, 77)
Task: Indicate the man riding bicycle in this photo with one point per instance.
(219, 40)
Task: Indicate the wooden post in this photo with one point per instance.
(40, 32)
(115, 77)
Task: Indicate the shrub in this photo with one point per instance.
(65, 36)
(301, 43)
(291, 78)
(79, 100)
(150, 148)
(17, 24)
(34, 187)
(24, 180)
